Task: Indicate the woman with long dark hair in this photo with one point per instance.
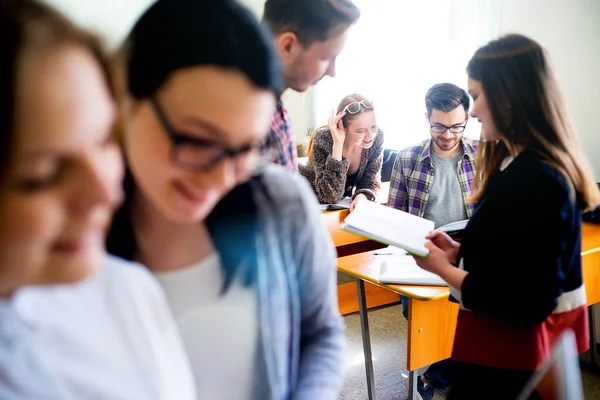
(519, 279)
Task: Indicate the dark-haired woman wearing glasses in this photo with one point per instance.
(238, 246)
(344, 158)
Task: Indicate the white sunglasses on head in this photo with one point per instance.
(353, 108)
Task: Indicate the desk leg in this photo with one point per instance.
(412, 385)
(593, 339)
(366, 338)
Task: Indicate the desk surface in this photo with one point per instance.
(359, 266)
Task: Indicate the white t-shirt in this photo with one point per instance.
(110, 336)
(219, 331)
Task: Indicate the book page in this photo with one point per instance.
(390, 226)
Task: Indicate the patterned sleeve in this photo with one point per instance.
(398, 194)
(280, 143)
(330, 174)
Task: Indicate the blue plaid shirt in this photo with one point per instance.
(412, 176)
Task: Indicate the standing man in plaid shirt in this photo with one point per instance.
(433, 180)
(309, 35)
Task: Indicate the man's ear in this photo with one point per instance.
(427, 117)
(287, 45)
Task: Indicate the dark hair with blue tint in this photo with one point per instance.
(176, 34)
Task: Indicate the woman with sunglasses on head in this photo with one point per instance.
(74, 323)
(345, 157)
(236, 242)
(519, 277)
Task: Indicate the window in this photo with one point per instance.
(397, 51)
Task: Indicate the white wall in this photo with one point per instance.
(111, 19)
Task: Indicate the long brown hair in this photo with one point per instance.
(351, 98)
(528, 110)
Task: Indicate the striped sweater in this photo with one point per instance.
(522, 249)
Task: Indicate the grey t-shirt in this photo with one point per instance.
(445, 204)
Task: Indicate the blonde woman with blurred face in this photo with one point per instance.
(76, 324)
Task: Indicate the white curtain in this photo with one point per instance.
(399, 49)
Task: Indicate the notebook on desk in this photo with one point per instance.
(398, 268)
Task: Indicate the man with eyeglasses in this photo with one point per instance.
(433, 180)
(308, 36)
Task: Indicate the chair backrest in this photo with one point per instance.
(560, 376)
(389, 157)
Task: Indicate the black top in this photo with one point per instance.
(350, 183)
(522, 246)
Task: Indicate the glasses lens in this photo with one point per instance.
(197, 157)
(438, 129)
(353, 108)
(457, 129)
(367, 103)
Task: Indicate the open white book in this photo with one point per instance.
(397, 267)
(389, 226)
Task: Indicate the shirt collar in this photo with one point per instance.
(469, 150)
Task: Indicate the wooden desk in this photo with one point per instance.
(432, 318)
(346, 244)
(590, 257)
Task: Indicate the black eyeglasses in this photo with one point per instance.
(453, 129)
(196, 154)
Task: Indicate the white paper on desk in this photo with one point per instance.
(401, 269)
